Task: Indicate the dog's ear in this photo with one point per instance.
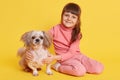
(47, 40)
(26, 38)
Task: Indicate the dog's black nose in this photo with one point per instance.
(37, 40)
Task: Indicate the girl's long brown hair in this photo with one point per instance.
(74, 9)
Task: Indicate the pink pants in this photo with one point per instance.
(79, 65)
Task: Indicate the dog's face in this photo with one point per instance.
(36, 38)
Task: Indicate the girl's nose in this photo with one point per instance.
(69, 18)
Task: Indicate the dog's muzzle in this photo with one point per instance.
(37, 40)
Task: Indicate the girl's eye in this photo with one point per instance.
(66, 15)
(41, 37)
(33, 37)
(73, 17)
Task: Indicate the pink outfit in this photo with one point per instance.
(73, 62)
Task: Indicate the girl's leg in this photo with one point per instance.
(72, 67)
(92, 66)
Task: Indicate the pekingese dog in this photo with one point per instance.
(36, 44)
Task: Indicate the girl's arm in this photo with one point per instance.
(74, 47)
(51, 58)
(72, 50)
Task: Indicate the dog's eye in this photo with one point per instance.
(33, 37)
(41, 37)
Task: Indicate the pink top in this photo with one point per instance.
(61, 40)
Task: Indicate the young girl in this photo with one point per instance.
(66, 39)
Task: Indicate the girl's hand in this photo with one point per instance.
(49, 59)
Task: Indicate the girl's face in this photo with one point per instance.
(69, 20)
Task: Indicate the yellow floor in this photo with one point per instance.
(10, 70)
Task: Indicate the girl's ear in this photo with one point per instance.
(47, 40)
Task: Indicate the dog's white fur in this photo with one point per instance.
(34, 51)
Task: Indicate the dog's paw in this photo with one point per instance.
(27, 69)
(49, 72)
(35, 73)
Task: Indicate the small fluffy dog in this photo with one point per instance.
(34, 51)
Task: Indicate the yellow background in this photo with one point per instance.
(100, 27)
